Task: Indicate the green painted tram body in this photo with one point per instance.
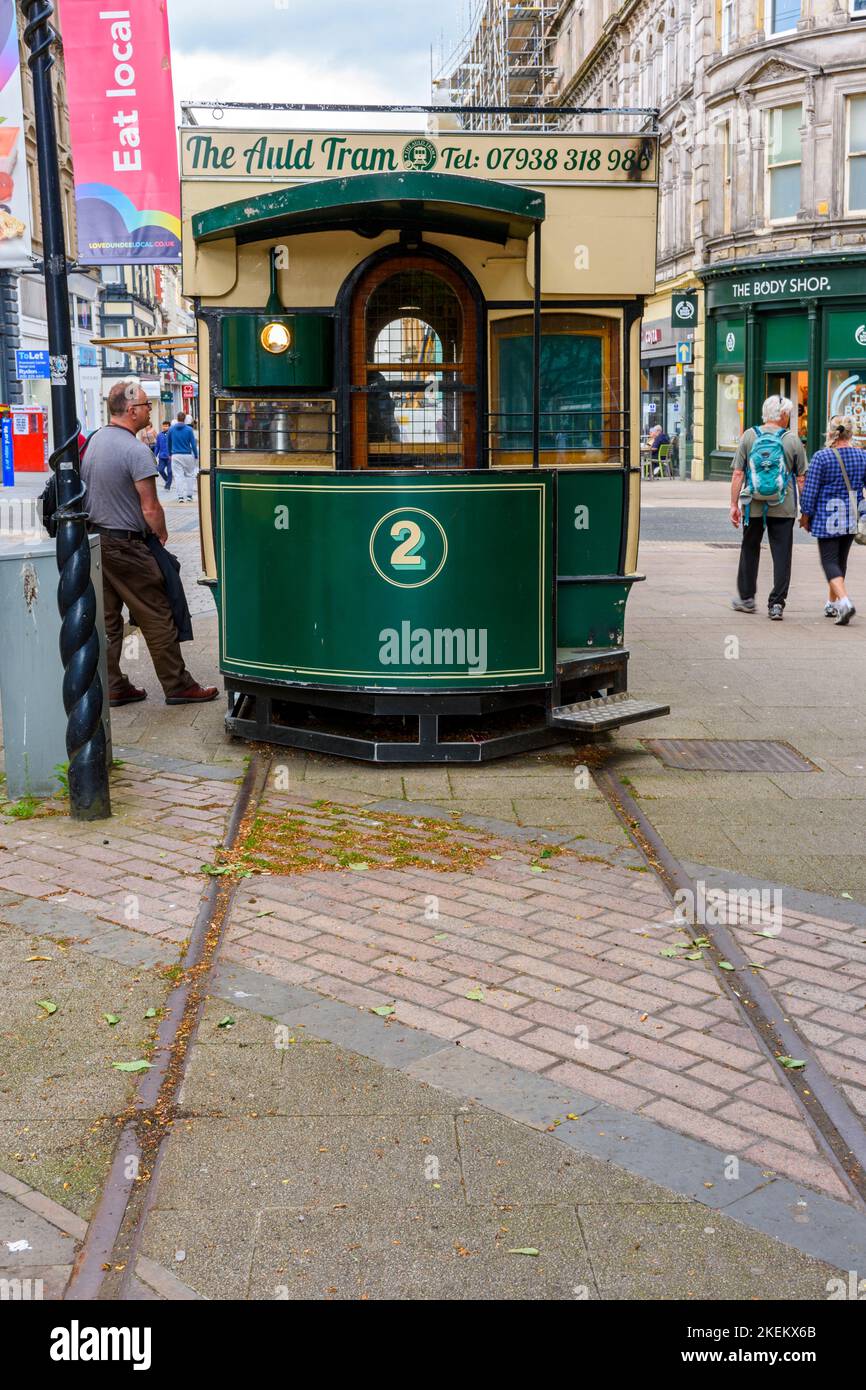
(420, 512)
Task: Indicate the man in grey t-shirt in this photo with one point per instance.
(122, 506)
(780, 519)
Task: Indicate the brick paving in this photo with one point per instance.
(141, 869)
(550, 964)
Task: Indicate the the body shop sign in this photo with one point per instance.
(787, 284)
(121, 112)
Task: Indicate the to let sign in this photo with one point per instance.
(31, 363)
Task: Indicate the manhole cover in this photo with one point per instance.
(728, 755)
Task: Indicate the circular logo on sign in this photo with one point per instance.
(730, 342)
(685, 309)
(408, 547)
(860, 335)
(419, 154)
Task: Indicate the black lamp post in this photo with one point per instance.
(79, 642)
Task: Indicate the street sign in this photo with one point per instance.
(684, 309)
(31, 363)
(188, 390)
(165, 364)
(684, 353)
(165, 397)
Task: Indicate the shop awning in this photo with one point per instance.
(370, 204)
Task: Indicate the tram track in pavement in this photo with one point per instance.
(105, 1266)
(838, 1130)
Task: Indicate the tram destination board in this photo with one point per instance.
(515, 157)
(364, 580)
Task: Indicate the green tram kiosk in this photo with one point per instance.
(420, 482)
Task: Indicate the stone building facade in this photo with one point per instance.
(762, 201)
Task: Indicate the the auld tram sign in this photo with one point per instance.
(516, 157)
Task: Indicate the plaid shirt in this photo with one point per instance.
(825, 497)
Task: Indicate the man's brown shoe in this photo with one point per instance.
(193, 695)
(127, 696)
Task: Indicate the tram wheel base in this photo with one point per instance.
(471, 727)
(409, 738)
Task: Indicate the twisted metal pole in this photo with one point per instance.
(79, 641)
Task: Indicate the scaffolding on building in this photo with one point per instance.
(501, 59)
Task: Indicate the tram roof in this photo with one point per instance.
(370, 204)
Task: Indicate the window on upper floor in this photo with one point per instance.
(855, 195)
(784, 15)
(784, 157)
(725, 16)
(858, 8)
(725, 134)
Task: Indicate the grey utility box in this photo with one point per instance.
(31, 672)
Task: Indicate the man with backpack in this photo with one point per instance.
(768, 472)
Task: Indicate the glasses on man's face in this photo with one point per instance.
(141, 405)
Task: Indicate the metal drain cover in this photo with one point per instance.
(728, 755)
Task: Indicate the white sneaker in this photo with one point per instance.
(845, 614)
(830, 610)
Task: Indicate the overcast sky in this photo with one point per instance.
(310, 50)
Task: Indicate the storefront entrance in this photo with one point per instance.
(796, 329)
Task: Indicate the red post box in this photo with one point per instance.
(29, 439)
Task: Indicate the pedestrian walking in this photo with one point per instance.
(122, 506)
(163, 457)
(183, 450)
(768, 470)
(833, 510)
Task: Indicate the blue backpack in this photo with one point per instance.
(767, 473)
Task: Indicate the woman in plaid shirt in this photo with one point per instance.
(830, 513)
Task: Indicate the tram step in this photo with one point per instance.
(607, 712)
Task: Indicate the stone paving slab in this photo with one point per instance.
(439, 1214)
(739, 690)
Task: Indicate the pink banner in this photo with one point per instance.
(124, 146)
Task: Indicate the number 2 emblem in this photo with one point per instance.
(406, 554)
(408, 547)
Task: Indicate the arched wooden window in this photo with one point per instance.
(413, 367)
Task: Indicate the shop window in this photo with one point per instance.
(784, 154)
(846, 395)
(784, 15)
(856, 192)
(729, 409)
(580, 390)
